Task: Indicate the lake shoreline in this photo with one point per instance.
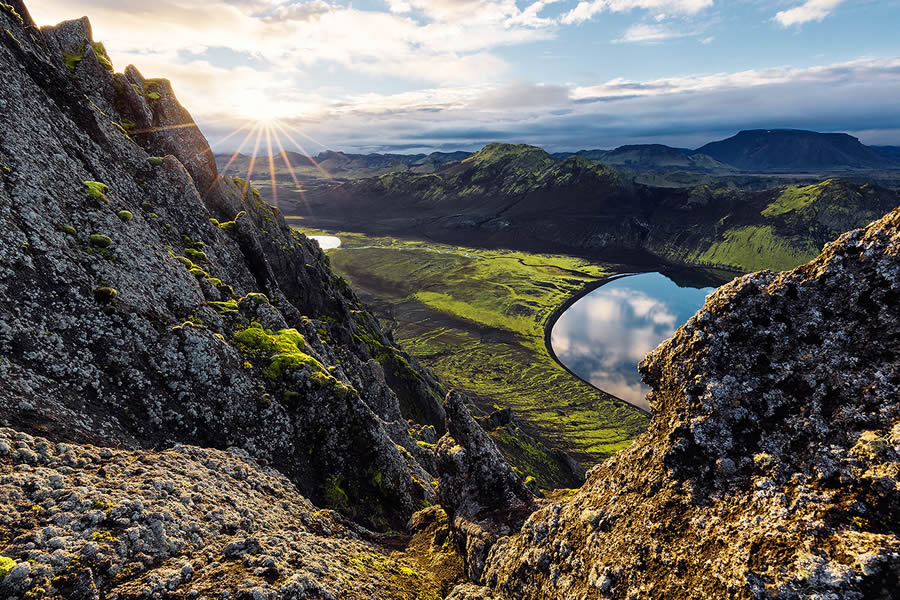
(562, 308)
(678, 276)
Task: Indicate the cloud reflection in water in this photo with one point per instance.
(603, 336)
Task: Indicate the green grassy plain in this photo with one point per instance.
(476, 318)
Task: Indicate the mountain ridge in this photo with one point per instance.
(826, 152)
(519, 196)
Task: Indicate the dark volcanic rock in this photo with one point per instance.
(481, 494)
(771, 466)
(139, 310)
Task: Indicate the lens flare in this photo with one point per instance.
(264, 121)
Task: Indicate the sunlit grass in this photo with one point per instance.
(476, 317)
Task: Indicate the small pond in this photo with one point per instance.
(327, 242)
(606, 333)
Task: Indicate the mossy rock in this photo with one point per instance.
(255, 298)
(196, 255)
(229, 306)
(155, 161)
(101, 241)
(6, 565)
(11, 10)
(68, 229)
(335, 496)
(72, 59)
(102, 56)
(285, 346)
(105, 294)
(125, 215)
(186, 262)
(97, 189)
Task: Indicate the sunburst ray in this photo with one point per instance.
(307, 154)
(268, 129)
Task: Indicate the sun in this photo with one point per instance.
(262, 133)
(261, 108)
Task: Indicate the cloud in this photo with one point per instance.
(524, 94)
(858, 96)
(643, 32)
(300, 11)
(313, 68)
(811, 10)
(585, 10)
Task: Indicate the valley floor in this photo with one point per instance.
(477, 318)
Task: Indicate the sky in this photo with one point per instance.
(421, 75)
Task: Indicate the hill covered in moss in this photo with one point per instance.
(519, 196)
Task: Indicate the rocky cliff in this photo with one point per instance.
(771, 468)
(146, 301)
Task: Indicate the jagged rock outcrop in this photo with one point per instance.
(139, 310)
(771, 468)
(481, 494)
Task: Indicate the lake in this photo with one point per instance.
(326, 242)
(605, 334)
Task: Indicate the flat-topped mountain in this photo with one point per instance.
(792, 149)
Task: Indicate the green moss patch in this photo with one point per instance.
(335, 496)
(196, 255)
(6, 565)
(72, 59)
(285, 347)
(125, 215)
(11, 10)
(102, 56)
(229, 306)
(755, 248)
(97, 189)
(229, 225)
(101, 241)
(796, 198)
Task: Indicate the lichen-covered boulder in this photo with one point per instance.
(771, 468)
(81, 522)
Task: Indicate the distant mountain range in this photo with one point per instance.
(652, 157)
(519, 196)
(779, 151)
(341, 163)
